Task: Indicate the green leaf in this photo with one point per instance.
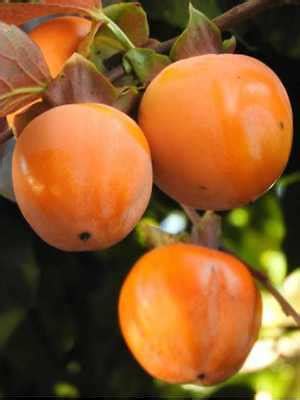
(201, 36)
(104, 48)
(131, 18)
(229, 45)
(146, 63)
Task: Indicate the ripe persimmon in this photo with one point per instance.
(189, 313)
(219, 129)
(82, 176)
(59, 38)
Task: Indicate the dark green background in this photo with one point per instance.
(59, 332)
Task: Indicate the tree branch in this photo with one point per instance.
(258, 275)
(226, 21)
(235, 16)
(284, 304)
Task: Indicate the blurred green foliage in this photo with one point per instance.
(59, 331)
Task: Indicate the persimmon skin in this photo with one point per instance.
(219, 129)
(189, 314)
(82, 176)
(59, 38)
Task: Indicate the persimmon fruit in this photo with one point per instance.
(189, 313)
(59, 38)
(82, 176)
(219, 129)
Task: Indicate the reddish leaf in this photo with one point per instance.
(18, 14)
(23, 70)
(80, 82)
(201, 36)
(132, 19)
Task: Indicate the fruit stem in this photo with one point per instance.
(258, 275)
(194, 217)
(206, 230)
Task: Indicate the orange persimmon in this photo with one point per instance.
(189, 313)
(219, 129)
(82, 176)
(59, 38)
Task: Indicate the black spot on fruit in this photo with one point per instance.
(281, 125)
(85, 236)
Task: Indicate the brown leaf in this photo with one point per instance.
(5, 132)
(23, 70)
(80, 82)
(76, 3)
(152, 43)
(128, 100)
(18, 14)
(22, 119)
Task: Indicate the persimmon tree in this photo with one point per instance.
(219, 127)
